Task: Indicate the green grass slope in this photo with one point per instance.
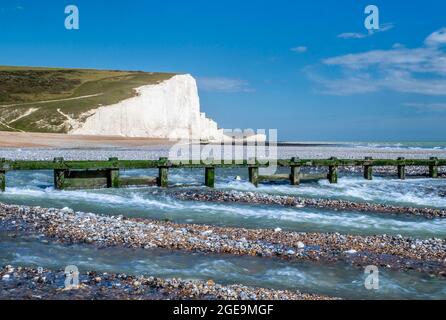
(40, 99)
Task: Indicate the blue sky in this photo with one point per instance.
(307, 68)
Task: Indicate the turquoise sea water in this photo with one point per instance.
(409, 145)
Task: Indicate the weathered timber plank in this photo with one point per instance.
(59, 179)
(9, 165)
(209, 179)
(254, 175)
(2, 181)
(295, 172)
(163, 173)
(368, 168)
(274, 177)
(137, 181)
(433, 168)
(82, 183)
(333, 172)
(401, 170)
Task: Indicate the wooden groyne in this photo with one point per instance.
(96, 174)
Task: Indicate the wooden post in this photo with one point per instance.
(210, 177)
(163, 174)
(113, 178)
(2, 175)
(401, 169)
(113, 175)
(333, 172)
(59, 176)
(368, 170)
(2, 180)
(295, 172)
(254, 175)
(59, 179)
(433, 168)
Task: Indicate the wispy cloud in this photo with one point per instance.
(348, 86)
(8, 9)
(222, 84)
(357, 35)
(353, 35)
(418, 70)
(432, 107)
(300, 49)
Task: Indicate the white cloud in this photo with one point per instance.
(222, 84)
(356, 35)
(424, 59)
(437, 38)
(348, 86)
(398, 46)
(10, 9)
(435, 107)
(352, 35)
(418, 70)
(300, 49)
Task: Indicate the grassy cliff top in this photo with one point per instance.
(40, 99)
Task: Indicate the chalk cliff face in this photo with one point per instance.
(169, 110)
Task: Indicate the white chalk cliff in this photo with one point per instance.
(170, 110)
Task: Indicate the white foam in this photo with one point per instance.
(420, 192)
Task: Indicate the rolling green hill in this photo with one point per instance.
(41, 99)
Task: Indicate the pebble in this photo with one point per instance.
(125, 287)
(107, 231)
(297, 202)
(67, 210)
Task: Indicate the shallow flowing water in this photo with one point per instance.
(334, 280)
(36, 189)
